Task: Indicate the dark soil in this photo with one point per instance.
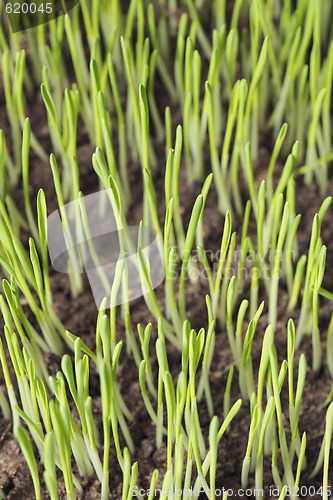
(79, 316)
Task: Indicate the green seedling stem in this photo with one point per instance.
(239, 138)
(121, 125)
(204, 386)
(226, 397)
(170, 259)
(53, 119)
(206, 463)
(259, 459)
(297, 283)
(144, 393)
(155, 114)
(223, 197)
(229, 320)
(255, 419)
(178, 224)
(144, 340)
(4, 189)
(73, 258)
(226, 279)
(49, 474)
(161, 66)
(274, 157)
(303, 324)
(328, 99)
(238, 91)
(273, 295)
(213, 431)
(23, 329)
(275, 472)
(42, 231)
(25, 178)
(187, 252)
(250, 104)
(9, 387)
(329, 351)
(28, 452)
(311, 154)
(231, 53)
(187, 116)
(264, 362)
(62, 436)
(219, 12)
(281, 431)
(98, 111)
(225, 244)
(202, 38)
(151, 298)
(295, 410)
(250, 177)
(179, 57)
(287, 173)
(11, 107)
(327, 441)
(74, 39)
(316, 346)
(243, 249)
(204, 192)
(289, 252)
(168, 131)
(132, 103)
(246, 381)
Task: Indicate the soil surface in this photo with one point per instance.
(79, 316)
